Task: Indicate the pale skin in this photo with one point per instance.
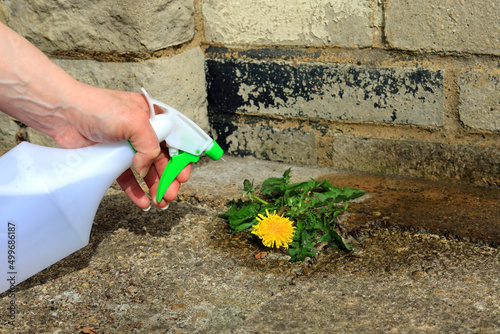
(37, 92)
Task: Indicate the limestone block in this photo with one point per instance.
(442, 25)
(415, 158)
(330, 22)
(8, 130)
(270, 143)
(179, 80)
(329, 91)
(480, 100)
(4, 15)
(107, 25)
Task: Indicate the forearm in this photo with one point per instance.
(33, 89)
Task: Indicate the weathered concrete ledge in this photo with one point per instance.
(455, 209)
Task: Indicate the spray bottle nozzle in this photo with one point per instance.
(186, 142)
(215, 152)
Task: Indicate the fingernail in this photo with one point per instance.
(166, 206)
(144, 172)
(147, 209)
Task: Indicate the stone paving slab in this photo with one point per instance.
(179, 271)
(449, 287)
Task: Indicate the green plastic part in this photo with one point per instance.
(175, 165)
(135, 151)
(216, 152)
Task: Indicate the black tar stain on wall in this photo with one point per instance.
(277, 83)
(280, 84)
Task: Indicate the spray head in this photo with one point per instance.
(215, 152)
(178, 162)
(185, 140)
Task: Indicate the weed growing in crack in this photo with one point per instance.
(310, 207)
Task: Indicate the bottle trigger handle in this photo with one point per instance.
(174, 166)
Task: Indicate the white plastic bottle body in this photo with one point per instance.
(48, 200)
(49, 196)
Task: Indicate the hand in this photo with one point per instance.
(37, 92)
(100, 116)
(129, 183)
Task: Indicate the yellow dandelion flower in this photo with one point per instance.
(275, 231)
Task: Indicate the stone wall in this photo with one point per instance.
(409, 87)
(386, 86)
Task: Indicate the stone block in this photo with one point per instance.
(479, 106)
(4, 14)
(265, 141)
(8, 131)
(179, 80)
(444, 26)
(329, 91)
(324, 22)
(107, 25)
(418, 159)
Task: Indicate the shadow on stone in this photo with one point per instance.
(115, 212)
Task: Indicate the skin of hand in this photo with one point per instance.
(37, 92)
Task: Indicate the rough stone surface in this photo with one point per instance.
(205, 181)
(325, 22)
(454, 26)
(124, 26)
(178, 80)
(179, 271)
(330, 91)
(421, 296)
(8, 131)
(289, 145)
(4, 14)
(480, 100)
(452, 209)
(419, 159)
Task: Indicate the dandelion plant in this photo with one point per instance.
(307, 214)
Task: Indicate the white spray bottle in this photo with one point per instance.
(49, 196)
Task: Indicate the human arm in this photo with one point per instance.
(37, 92)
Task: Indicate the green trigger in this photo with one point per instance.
(175, 165)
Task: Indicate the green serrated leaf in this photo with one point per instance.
(244, 226)
(322, 197)
(248, 188)
(244, 215)
(273, 186)
(351, 193)
(325, 237)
